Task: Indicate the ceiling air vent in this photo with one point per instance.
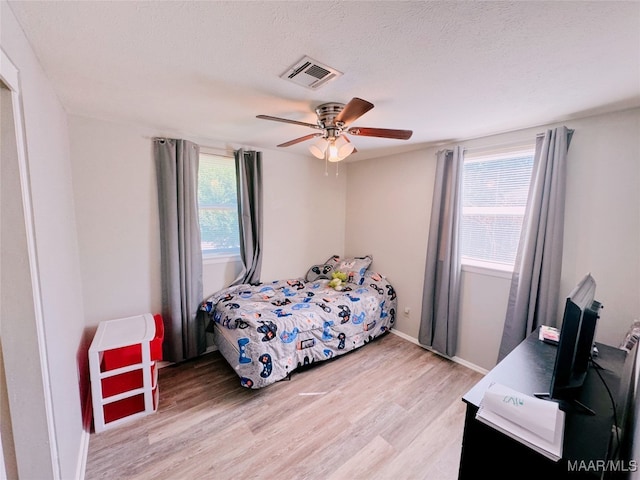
(311, 74)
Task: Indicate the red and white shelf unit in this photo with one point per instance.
(123, 367)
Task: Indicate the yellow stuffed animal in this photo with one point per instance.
(338, 280)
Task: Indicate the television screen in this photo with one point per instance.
(575, 344)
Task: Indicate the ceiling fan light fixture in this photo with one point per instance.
(318, 148)
(333, 155)
(344, 146)
(332, 149)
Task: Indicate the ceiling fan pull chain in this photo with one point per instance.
(337, 166)
(326, 163)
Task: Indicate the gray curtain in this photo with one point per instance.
(439, 322)
(249, 183)
(535, 283)
(181, 254)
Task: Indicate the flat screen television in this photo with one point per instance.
(575, 344)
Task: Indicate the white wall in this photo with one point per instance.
(117, 215)
(388, 211)
(304, 214)
(47, 151)
(602, 232)
(118, 227)
(483, 306)
(389, 202)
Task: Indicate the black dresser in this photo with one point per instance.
(591, 448)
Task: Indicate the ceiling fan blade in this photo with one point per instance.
(301, 139)
(353, 110)
(381, 132)
(285, 120)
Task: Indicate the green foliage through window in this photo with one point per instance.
(218, 205)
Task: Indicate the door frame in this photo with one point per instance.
(10, 76)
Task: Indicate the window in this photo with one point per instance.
(494, 197)
(218, 205)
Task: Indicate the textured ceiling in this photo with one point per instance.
(446, 70)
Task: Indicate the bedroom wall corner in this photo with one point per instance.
(118, 226)
(388, 212)
(304, 214)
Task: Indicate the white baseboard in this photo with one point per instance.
(459, 360)
(165, 363)
(406, 337)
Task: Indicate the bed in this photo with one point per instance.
(267, 331)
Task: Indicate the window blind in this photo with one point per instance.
(494, 197)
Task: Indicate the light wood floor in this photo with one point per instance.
(390, 410)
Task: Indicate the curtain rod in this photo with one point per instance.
(205, 147)
(225, 150)
(513, 143)
(493, 146)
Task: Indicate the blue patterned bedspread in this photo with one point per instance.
(271, 329)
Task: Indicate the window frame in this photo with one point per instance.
(474, 265)
(210, 258)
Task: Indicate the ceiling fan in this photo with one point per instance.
(334, 120)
